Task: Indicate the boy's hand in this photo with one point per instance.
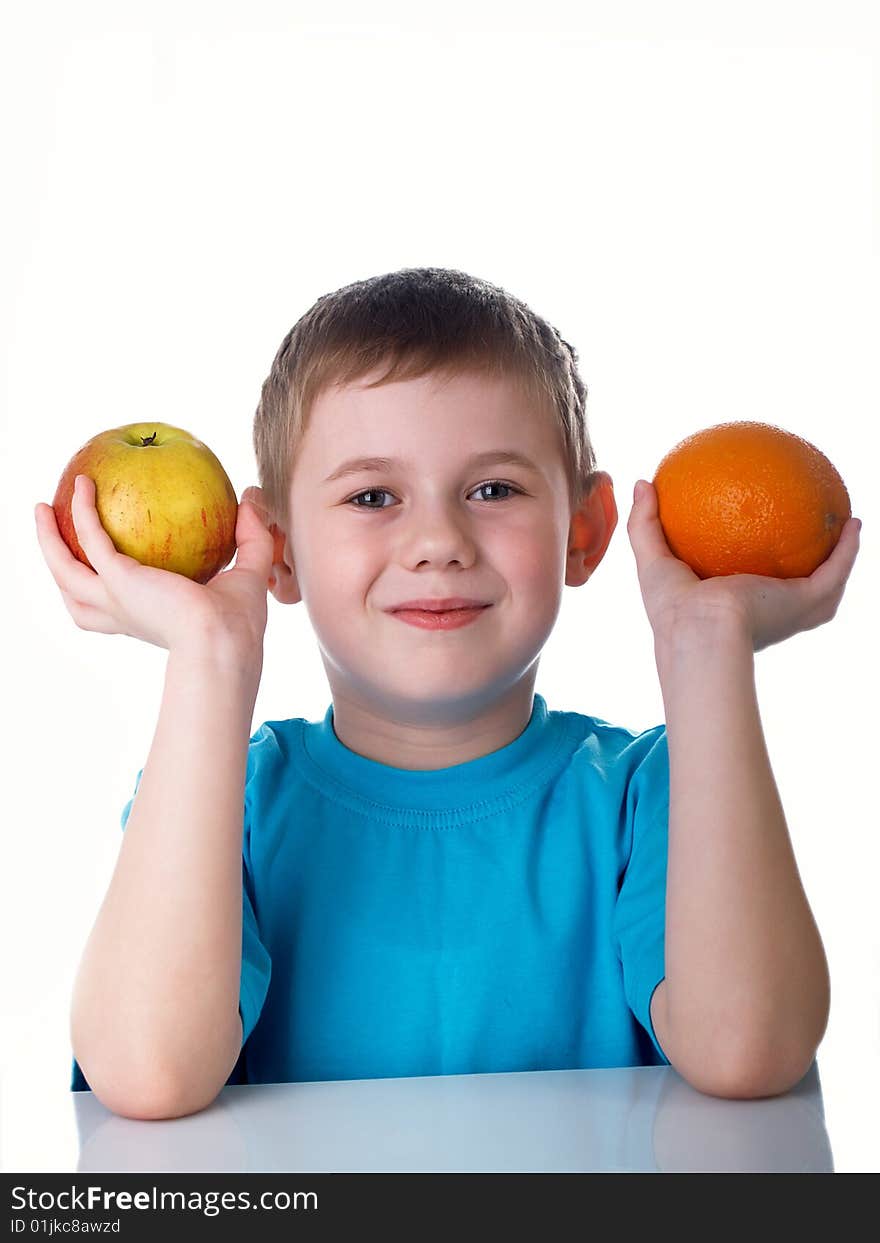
(770, 609)
(121, 596)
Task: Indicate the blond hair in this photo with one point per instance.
(417, 320)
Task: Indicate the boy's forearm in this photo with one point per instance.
(747, 989)
(154, 1019)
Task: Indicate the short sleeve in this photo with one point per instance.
(640, 912)
(126, 811)
(256, 965)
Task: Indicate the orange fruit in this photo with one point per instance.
(750, 498)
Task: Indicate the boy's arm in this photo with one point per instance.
(745, 999)
(154, 1015)
(154, 1019)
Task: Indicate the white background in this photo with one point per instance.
(685, 190)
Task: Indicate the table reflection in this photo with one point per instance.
(637, 1119)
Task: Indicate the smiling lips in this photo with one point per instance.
(446, 614)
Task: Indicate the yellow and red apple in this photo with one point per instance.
(162, 497)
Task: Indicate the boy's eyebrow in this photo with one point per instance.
(355, 465)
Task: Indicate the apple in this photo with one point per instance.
(162, 497)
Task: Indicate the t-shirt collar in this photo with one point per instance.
(518, 764)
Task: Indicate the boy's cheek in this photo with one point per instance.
(339, 582)
(327, 558)
(529, 563)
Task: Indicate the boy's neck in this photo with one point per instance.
(433, 742)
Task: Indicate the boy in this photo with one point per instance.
(442, 876)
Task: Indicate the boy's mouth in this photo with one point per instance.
(447, 614)
(439, 605)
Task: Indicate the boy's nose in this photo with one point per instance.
(437, 538)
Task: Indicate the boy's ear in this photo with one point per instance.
(283, 584)
(589, 534)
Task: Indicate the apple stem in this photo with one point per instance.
(148, 440)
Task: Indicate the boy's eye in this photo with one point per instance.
(378, 492)
(496, 483)
(369, 492)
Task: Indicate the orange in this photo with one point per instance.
(750, 498)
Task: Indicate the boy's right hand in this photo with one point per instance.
(121, 596)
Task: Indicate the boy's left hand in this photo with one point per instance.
(770, 609)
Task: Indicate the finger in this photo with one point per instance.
(832, 574)
(253, 496)
(69, 573)
(94, 540)
(644, 528)
(254, 540)
(89, 618)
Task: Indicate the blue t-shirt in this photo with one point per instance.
(503, 914)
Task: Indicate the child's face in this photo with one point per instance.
(428, 527)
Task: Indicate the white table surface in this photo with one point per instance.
(636, 1119)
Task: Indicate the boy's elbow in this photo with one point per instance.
(746, 1074)
(142, 1101)
(757, 1061)
(141, 1085)
(152, 1092)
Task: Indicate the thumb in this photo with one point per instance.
(643, 506)
(254, 497)
(644, 529)
(253, 538)
(644, 494)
